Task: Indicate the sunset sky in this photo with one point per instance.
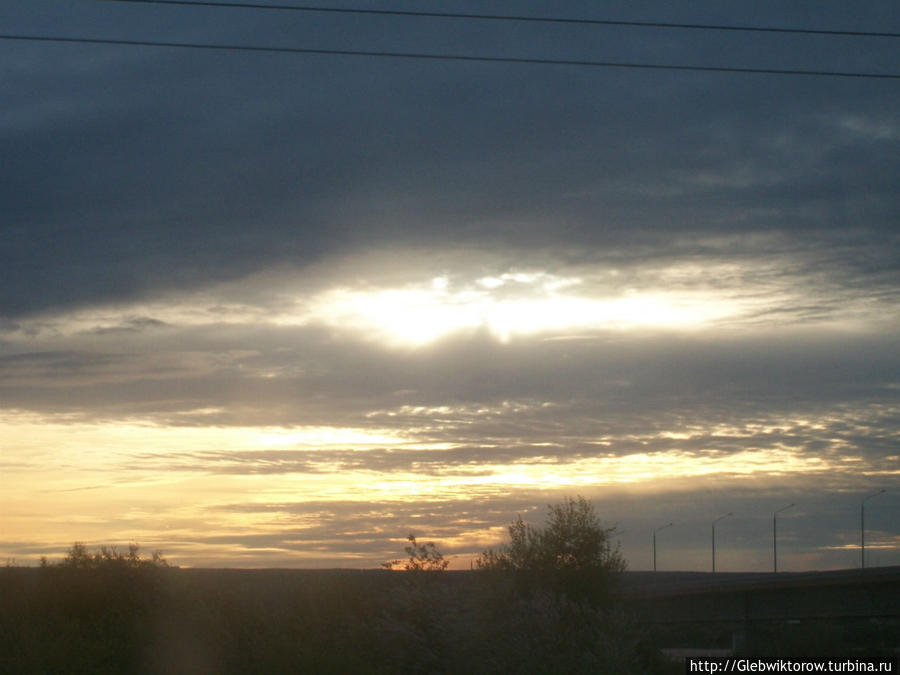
(282, 309)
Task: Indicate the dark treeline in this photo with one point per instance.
(549, 601)
(546, 602)
(169, 620)
(57, 620)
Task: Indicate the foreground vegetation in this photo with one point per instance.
(117, 612)
(546, 602)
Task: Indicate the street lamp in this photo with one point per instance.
(714, 538)
(775, 536)
(862, 527)
(654, 542)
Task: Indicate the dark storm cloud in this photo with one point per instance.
(130, 170)
(803, 363)
(802, 366)
(827, 398)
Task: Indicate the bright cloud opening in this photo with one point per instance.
(507, 306)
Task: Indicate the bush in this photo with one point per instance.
(422, 558)
(92, 612)
(79, 557)
(572, 555)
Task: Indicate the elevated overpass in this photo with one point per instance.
(681, 597)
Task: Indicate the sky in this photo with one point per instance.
(280, 309)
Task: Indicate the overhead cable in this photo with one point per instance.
(507, 17)
(448, 57)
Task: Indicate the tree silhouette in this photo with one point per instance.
(573, 554)
(79, 557)
(422, 558)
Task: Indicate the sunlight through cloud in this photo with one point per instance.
(508, 306)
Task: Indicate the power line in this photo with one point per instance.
(448, 57)
(507, 17)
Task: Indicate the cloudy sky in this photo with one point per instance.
(282, 309)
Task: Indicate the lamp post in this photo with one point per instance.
(862, 528)
(654, 542)
(714, 538)
(775, 536)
